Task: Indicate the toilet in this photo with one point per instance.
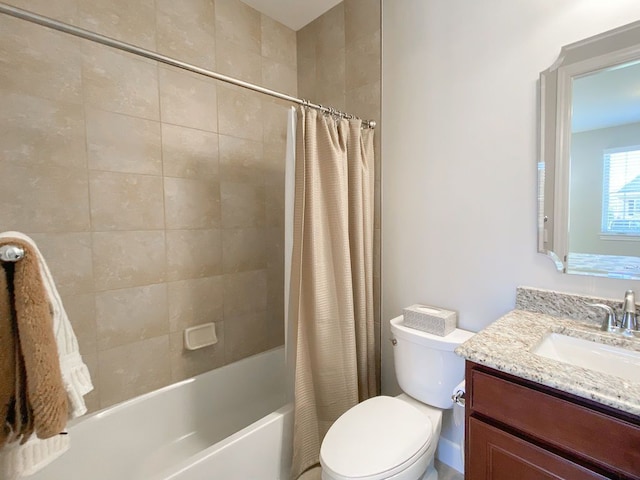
(395, 438)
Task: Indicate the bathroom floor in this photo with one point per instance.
(444, 473)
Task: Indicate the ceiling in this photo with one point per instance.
(295, 14)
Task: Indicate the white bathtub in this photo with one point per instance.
(229, 424)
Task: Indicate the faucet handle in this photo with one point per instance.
(609, 323)
(629, 316)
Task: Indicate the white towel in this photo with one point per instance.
(20, 460)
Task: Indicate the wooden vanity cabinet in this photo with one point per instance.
(520, 430)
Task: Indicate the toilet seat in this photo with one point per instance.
(375, 440)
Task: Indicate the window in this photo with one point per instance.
(621, 191)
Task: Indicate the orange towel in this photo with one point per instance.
(40, 399)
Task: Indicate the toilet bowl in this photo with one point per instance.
(395, 438)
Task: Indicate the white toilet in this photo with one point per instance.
(396, 437)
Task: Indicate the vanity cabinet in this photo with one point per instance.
(518, 429)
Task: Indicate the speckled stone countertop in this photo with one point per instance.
(506, 345)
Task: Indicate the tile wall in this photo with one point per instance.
(155, 194)
(339, 65)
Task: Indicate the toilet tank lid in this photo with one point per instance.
(448, 342)
(375, 439)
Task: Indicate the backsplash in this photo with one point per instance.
(566, 305)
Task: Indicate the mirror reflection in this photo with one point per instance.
(589, 192)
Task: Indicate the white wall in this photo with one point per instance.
(459, 152)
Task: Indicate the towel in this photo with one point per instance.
(19, 460)
(75, 373)
(43, 392)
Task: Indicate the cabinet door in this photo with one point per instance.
(498, 455)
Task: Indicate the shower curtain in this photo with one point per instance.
(331, 298)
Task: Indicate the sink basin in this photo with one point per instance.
(621, 362)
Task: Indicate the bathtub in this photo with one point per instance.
(230, 424)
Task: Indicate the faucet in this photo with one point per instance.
(629, 321)
(609, 323)
(628, 324)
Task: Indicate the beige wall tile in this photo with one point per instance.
(43, 199)
(332, 97)
(120, 143)
(194, 301)
(131, 314)
(245, 335)
(307, 83)
(189, 153)
(243, 249)
(188, 100)
(39, 61)
(244, 293)
(306, 40)
(279, 77)
(274, 120)
(331, 31)
(331, 86)
(68, 256)
(130, 22)
(186, 31)
(119, 82)
(64, 10)
(128, 259)
(275, 282)
(239, 113)
(186, 364)
(274, 238)
(238, 23)
(362, 17)
(274, 202)
(192, 203)
(363, 61)
(364, 102)
(278, 42)
(132, 163)
(238, 62)
(240, 160)
(193, 254)
(124, 201)
(275, 162)
(242, 204)
(37, 131)
(275, 328)
(81, 310)
(133, 369)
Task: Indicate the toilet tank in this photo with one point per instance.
(426, 366)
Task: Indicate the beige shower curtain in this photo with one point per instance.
(331, 277)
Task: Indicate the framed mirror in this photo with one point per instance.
(589, 166)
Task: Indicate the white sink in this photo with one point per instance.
(608, 359)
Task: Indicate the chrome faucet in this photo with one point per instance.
(629, 321)
(627, 325)
(609, 323)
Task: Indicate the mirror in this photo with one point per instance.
(589, 167)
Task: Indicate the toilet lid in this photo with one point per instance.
(375, 439)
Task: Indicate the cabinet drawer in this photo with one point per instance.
(497, 455)
(596, 437)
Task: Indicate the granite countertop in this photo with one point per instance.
(506, 346)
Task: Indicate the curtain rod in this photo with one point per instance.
(127, 47)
